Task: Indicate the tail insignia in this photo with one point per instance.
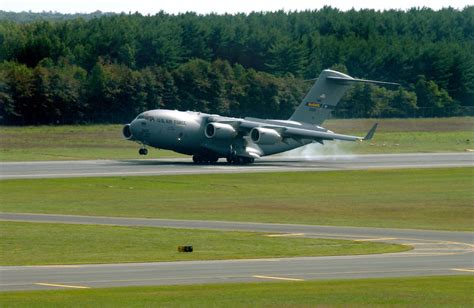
(318, 104)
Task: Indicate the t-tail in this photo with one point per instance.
(324, 95)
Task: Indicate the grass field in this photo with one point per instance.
(75, 244)
(106, 142)
(68, 143)
(440, 199)
(445, 291)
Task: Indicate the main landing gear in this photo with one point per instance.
(205, 159)
(239, 160)
(210, 159)
(143, 151)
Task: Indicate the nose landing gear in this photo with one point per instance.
(143, 151)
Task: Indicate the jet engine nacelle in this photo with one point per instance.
(127, 132)
(220, 131)
(261, 135)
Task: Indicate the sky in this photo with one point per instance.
(214, 6)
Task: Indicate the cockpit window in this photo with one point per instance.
(140, 116)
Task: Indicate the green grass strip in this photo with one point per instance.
(444, 291)
(45, 244)
(439, 199)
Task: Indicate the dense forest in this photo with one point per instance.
(109, 67)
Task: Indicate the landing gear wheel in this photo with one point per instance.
(205, 159)
(249, 160)
(143, 151)
(239, 160)
(199, 159)
(214, 159)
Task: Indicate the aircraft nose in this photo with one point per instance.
(136, 127)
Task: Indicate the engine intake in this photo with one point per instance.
(261, 135)
(220, 131)
(127, 132)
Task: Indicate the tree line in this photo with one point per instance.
(108, 68)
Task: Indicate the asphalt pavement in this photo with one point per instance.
(177, 166)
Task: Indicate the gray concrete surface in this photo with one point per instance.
(96, 168)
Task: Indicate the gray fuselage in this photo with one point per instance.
(184, 132)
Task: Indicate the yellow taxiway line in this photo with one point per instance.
(375, 239)
(278, 278)
(285, 234)
(463, 270)
(61, 285)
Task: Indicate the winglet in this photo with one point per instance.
(371, 132)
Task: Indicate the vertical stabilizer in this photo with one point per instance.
(325, 94)
(322, 98)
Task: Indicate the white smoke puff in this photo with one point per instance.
(315, 151)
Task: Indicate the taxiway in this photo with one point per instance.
(434, 253)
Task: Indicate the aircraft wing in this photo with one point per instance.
(286, 132)
(328, 135)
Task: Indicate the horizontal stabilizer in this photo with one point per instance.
(356, 80)
(371, 132)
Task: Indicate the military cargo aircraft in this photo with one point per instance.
(208, 137)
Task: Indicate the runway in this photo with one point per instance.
(101, 168)
(434, 253)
